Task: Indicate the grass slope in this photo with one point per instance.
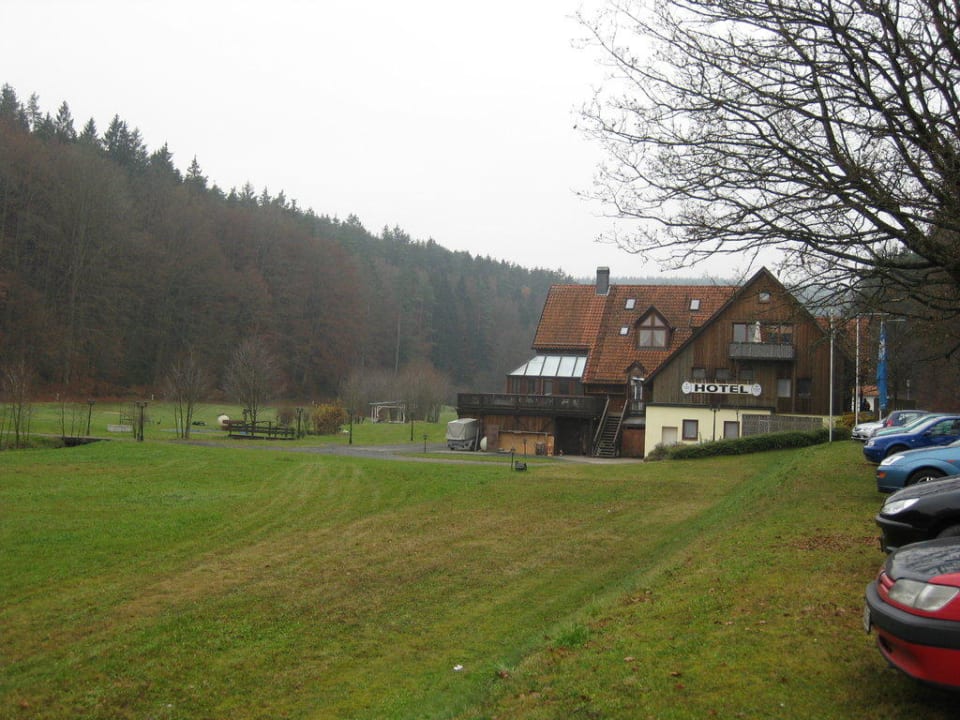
(157, 580)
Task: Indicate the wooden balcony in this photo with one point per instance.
(552, 405)
(761, 351)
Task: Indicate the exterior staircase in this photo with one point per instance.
(606, 445)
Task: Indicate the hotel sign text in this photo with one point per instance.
(718, 388)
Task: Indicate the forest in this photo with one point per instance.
(115, 264)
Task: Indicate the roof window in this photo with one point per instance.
(652, 331)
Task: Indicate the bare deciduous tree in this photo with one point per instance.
(827, 130)
(252, 376)
(421, 387)
(186, 384)
(424, 390)
(16, 383)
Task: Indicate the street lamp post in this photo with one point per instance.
(141, 405)
(830, 430)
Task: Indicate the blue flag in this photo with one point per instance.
(882, 371)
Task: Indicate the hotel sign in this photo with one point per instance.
(719, 388)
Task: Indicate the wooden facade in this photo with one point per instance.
(794, 376)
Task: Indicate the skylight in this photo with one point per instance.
(562, 366)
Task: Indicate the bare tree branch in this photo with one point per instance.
(825, 130)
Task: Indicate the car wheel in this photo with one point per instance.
(923, 475)
(894, 450)
(951, 531)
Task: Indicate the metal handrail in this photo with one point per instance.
(603, 421)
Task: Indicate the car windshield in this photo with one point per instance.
(913, 423)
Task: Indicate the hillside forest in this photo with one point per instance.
(115, 264)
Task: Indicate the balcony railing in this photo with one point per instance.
(506, 404)
(761, 351)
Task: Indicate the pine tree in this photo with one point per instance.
(11, 110)
(195, 177)
(63, 125)
(89, 135)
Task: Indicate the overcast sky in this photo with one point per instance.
(452, 120)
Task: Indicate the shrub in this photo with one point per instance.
(286, 415)
(327, 419)
(752, 444)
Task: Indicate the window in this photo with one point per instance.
(624, 330)
(747, 332)
(695, 304)
(548, 387)
(764, 296)
(691, 429)
(636, 395)
(746, 373)
(779, 333)
(652, 332)
(804, 387)
(784, 387)
(731, 429)
(699, 373)
(722, 375)
(630, 304)
(756, 332)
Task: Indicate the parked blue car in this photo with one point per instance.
(915, 466)
(934, 430)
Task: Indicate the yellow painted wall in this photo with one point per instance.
(660, 417)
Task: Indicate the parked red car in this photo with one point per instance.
(914, 606)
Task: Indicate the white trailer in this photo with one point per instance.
(463, 434)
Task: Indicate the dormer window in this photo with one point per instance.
(652, 331)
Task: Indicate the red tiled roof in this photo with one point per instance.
(575, 317)
(570, 319)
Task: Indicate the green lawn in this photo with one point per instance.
(163, 580)
(105, 420)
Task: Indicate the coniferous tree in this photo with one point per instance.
(11, 110)
(63, 128)
(89, 136)
(195, 177)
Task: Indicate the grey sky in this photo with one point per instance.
(450, 120)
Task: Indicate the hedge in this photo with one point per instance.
(749, 444)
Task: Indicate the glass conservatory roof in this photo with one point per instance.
(565, 366)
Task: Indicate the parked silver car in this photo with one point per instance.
(898, 418)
